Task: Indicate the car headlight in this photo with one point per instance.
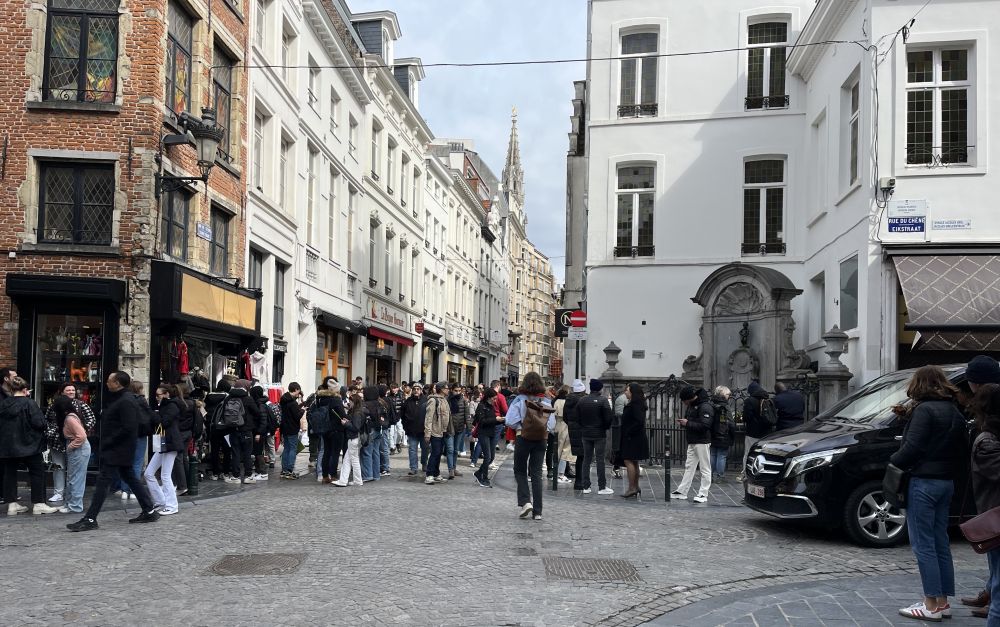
(811, 461)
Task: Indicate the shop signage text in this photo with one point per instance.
(951, 225)
(387, 315)
(907, 216)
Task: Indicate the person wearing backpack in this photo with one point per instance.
(723, 432)
(219, 453)
(532, 418)
(241, 417)
(291, 418)
(697, 422)
(754, 420)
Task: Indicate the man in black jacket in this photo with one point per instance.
(242, 439)
(119, 428)
(697, 422)
(291, 420)
(413, 413)
(220, 455)
(7, 374)
(790, 406)
(571, 417)
(593, 415)
(753, 418)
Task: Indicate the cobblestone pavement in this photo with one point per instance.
(397, 552)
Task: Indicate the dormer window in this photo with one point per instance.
(385, 47)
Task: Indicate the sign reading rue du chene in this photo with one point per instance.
(387, 315)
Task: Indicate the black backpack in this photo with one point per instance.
(230, 414)
(318, 419)
(145, 416)
(484, 415)
(768, 413)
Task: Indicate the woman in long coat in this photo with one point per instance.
(634, 443)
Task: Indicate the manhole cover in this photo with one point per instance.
(257, 564)
(590, 569)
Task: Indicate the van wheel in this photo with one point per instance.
(870, 521)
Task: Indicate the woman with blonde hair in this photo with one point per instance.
(932, 452)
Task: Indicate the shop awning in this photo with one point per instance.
(392, 337)
(429, 342)
(952, 300)
(340, 324)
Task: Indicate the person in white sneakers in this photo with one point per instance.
(697, 421)
(353, 425)
(22, 440)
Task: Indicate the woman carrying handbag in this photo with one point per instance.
(167, 442)
(986, 479)
(932, 452)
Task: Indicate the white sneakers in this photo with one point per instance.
(564, 479)
(587, 490)
(429, 480)
(700, 499)
(56, 498)
(606, 491)
(41, 508)
(13, 509)
(679, 496)
(261, 476)
(525, 511)
(167, 512)
(920, 612)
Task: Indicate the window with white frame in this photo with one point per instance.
(260, 20)
(764, 206)
(938, 89)
(639, 66)
(351, 193)
(414, 260)
(259, 124)
(854, 131)
(388, 262)
(311, 195)
(283, 172)
(766, 57)
(331, 216)
(402, 268)
(334, 110)
(376, 149)
(371, 255)
(390, 160)
(287, 54)
(312, 92)
(634, 227)
(404, 168)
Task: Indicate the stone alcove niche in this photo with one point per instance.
(747, 329)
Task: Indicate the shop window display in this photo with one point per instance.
(69, 348)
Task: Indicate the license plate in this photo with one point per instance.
(755, 490)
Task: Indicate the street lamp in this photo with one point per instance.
(205, 135)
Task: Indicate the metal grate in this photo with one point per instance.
(590, 569)
(259, 564)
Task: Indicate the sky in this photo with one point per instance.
(475, 103)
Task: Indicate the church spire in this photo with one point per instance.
(513, 174)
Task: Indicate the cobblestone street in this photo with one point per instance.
(400, 552)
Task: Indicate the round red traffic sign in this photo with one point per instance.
(578, 318)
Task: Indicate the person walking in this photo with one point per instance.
(634, 442)
(932, 452)
(486, 420)
(723, 432)
(291, 421)
(790, 405)
(566, 456)
(22, 441)
(754, 421)
(528, 408)
(119, 429)
(437, 418)
(167, 442)
(594, 416)
(414, 412)
(77, 446)
(618, 408)
(697, 422)
(350, 468)
(6, 376)
(986, 485)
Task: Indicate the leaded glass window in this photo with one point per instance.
(764, 206)
(634, 225)
(174, 227)
(76, 203)
(180, 32)
(222, 84)
(766, 58)
(937, 107)
(81, 51)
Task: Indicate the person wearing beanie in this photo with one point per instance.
(593, 414)
(578, 386)
(697, 422)
(572, 419)
(982, 370)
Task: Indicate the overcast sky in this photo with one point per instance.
(475, 103)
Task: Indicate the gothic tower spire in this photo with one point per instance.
(513, 174)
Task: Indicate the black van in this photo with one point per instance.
(830, 469)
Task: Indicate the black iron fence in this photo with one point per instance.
(667, 438)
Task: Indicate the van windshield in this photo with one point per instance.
(873, 401)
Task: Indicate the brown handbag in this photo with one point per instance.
(983, 531)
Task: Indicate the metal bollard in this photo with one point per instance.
(666, 477)
(193, 474)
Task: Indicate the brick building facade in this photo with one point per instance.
(100, 271)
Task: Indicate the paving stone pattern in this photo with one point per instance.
(398, 552)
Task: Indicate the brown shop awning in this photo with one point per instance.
(953, 301)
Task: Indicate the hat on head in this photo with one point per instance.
(578, 386)
(596, 385)
(688, 393)
(983, 369)
(242, 383)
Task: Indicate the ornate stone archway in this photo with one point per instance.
(747, 329)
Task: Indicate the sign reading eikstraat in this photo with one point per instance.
(387, 315)
(907, 216)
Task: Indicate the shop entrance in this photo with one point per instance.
(382, 365)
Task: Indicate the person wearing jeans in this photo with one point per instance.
(932, 449)
(412, 444)
(486, 419)
(436, 421)
(70, 428)
(291, 418)
(413, 412)
(529, 455)
(697, 422)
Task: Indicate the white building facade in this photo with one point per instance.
(733, 221)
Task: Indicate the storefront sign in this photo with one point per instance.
(907, 216)
(204, 231)
(203, 300)
(951, 225)
(387, 315)
(419, 327)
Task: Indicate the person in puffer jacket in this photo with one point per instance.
(414, 412)
(697, 422)
(437, 419)
(453, 444)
